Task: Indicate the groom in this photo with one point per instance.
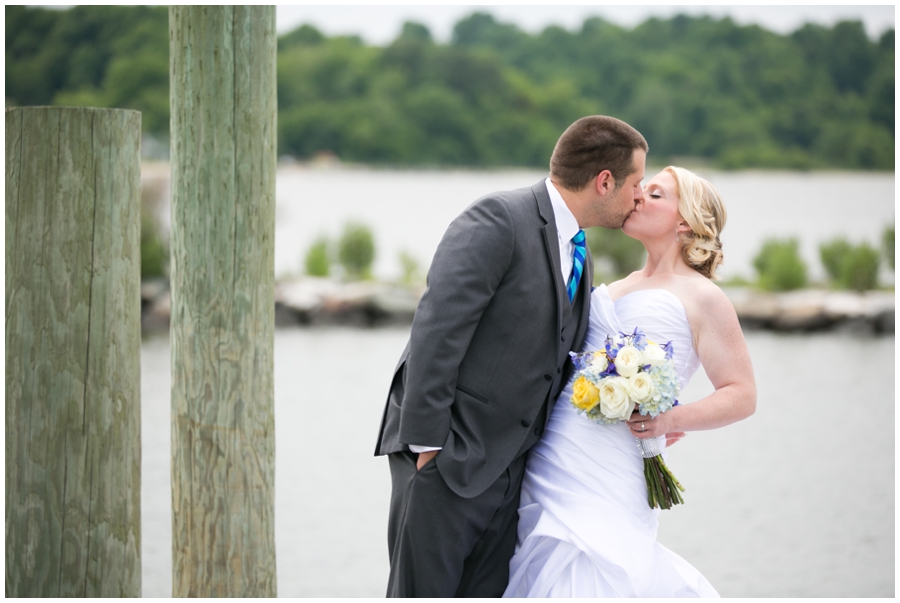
(507, 299)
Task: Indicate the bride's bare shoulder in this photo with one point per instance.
(704, 297)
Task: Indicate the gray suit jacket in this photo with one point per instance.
(488, 346)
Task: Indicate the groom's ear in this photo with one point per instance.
(604, 182)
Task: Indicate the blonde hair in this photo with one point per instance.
(701, 207)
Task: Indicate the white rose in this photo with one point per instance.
(628, 361)
(614, 402)
(640, 387)
(653, 354)
(600, 363)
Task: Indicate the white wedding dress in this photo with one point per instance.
(585, 528)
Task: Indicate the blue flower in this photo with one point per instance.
(610, 350)
(638, 339)
(610, 371)
(670, 350)
(581, 361)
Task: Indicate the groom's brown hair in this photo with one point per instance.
(593, 144)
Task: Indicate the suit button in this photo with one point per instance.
(537, 430)
(525, 422)
(548, 377)
(563, 338)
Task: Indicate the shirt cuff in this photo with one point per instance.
(420, 449)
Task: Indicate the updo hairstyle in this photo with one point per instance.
(701, 207)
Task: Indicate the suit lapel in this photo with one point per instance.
(551, 242)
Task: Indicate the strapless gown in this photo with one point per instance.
(585, 528)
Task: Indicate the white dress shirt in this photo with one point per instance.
(566, 228)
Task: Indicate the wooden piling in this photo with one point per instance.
(223, 133)
(73, 512)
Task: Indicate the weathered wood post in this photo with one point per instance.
(223, 132)
(73, 439)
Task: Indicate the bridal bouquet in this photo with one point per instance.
(631, 372)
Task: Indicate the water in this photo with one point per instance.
(797, 500)
(410, 210)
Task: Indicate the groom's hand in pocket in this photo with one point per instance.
(424, 457)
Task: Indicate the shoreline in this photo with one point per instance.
(313, 302)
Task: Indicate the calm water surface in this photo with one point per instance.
(796, 501)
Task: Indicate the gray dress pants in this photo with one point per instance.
(444, 545)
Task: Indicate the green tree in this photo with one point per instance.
(356, 250)
(154, 251)
(103, 56)
(481, 29)
(851, 266)
(860, 268)
(415, 32)
(154, 246)
(833, 253)
(735, 95)
(779, 265)
(624, 253)
(881, 89)
(305, 35)
(410, 266)
(318, 258)
(887, 241)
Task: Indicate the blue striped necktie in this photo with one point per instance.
(577, 264)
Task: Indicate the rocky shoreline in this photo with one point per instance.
(325, 302)
(814, 310)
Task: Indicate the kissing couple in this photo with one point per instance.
(500, 486)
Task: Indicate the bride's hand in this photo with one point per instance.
(645, 426)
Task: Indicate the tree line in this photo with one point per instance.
(704, 88)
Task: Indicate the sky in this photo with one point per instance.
(380, 24)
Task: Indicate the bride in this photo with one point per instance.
(585, 526)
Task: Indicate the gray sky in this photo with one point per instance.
(380, 24)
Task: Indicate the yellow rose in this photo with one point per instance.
(584, 394)
(628, 361)
(640, 387)
(614, 402)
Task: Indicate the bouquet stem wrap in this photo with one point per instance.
(663, 488)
